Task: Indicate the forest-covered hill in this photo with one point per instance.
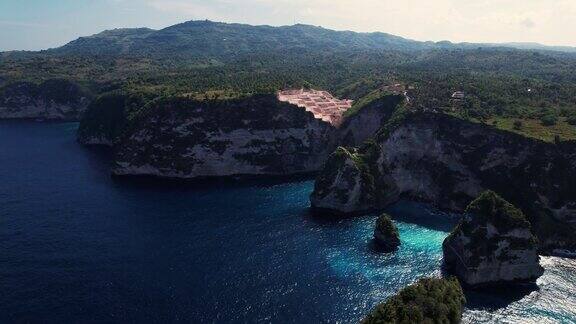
(532, 92)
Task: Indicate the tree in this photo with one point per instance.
(430, 300)
(549, 120)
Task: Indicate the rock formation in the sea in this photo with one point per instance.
(51, 100)
(493, 244)
(430, 300)
(447, 161)
(185, 138)
(386, 234)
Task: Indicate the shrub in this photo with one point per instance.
(490, 207)
(549, 120)
(518, 125)
(385, 226)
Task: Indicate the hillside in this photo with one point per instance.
(213, 39)
(207, 38)
(525, 91)
(109, 42)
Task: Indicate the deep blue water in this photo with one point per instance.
(79, 246)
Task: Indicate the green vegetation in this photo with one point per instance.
(429, 300)
(354, 166)
(54, 90)
(386, 227)
(493, 232)
(374, 97)
(549, 120)
(365, 162)
(109, 115)
(206, 60)
(535, 129)
(489, 207)
(386, 234)
(398, 116)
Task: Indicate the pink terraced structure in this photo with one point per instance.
(321, 103)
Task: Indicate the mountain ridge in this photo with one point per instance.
(199, 38)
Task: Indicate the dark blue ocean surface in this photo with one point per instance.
(79, 246)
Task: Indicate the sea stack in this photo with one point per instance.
(493, 244)
(386, 234)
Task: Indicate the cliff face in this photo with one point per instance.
(351, 182)
(183, 138)
(52, 100)
(255, 136)
(368, 120)
(108, 117)
(493, 244)
(447, 161)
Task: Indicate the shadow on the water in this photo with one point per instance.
(495, 298)
(376, 248)
(327, 217)
(423, 215)
(98, 156)
(151, 182)
(404, 211)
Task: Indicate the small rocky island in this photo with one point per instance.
(430, 300)
(386, 234)
(493, 244)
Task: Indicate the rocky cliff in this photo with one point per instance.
(51, 100)
(493, 244)
(386, 234)
(367, 118)
(185, 138)
(108, 117)
(258, 135)
(448, 162)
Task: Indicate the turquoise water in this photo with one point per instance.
(79, 246)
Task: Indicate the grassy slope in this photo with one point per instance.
(534, 128)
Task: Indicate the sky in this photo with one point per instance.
(41, 24)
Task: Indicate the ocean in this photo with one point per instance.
(78, 246)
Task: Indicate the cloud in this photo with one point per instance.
(192, 9)
(549, 21)
(528, 23)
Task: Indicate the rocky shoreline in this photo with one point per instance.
(447, 162)
(51, 100)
